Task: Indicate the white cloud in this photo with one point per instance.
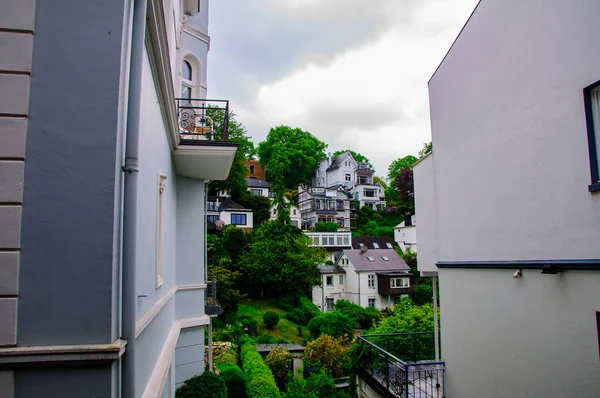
(371, 97)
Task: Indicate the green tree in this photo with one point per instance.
(397, 165)
(235, 183)
(427, 147)
(333, 323)
(281, 261)
(290, 156)
(405, 189)
(260, 206)
(358, 157)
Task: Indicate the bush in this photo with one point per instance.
(223, 352)
(279, 360)
(207, 385)
(304, 312)
(330, 354)
(234, 379)
(260, 382)
(271, 319)
(321, 384)
(332, 323)
(364, 317)
(296, 388)
(326, 227)
(249, 324)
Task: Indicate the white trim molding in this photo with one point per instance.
(67, 353)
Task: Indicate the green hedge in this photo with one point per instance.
(207, 385)
(304, 312)
(234, 379)
(260, 381)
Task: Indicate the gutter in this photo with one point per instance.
(130, 196)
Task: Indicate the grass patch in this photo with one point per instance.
(285, 329)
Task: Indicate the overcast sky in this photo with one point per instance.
(352, 72)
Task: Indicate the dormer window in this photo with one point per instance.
(375, 245)
(385, 258)
(370, 258)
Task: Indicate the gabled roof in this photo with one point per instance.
(381, 241)
(228, 204)
(337, 161)
(373, 260)
(254, 182)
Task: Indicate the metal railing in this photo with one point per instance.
(417, 375)
(211, 304)
(203, 119)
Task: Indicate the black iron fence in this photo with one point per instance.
(203, 119)
(211, 304)
(416, 375)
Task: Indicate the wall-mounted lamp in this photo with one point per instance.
(518, 273)
(550, 269)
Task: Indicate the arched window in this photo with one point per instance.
(187, 84)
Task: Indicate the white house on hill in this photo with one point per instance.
(370, 278)
(405, 234)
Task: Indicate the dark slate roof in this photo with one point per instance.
(337, 161)
(228, 204)
(369, 240)
(331, 269)
(361, 261)
(254, 182)
(268, 347)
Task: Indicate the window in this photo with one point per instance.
(212, 219)
(591, 95)
(191, 7)
(341, 279)
(294, 211)
(348, 177)
(329, 303)
(251, 169)
(257, 192)
(316, 240)
(371, 302)
(371, 281)
(295, 223)
(238, 219)
(329, 280)
(370, 258)
(385, 258)
(375, 245)
(160, 232)
(389, 245)
(186, 82)
(399, 282)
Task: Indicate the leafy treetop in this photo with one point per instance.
(401, 163)
(427, 147)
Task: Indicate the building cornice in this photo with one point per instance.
(158, 51)
(561, 265)
(196, 33)
(66, 353)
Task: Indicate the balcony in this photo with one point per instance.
(204, 150)
(401, 365)
(211, 304)
(330, 239)
(384, 285)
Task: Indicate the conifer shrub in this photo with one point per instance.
(260, 382)
(271, 319)
(234, 379)
(207, 385)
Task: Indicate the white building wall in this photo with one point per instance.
(506, 104)
(225, 216)
(406, 237)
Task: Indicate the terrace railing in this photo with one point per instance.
(417, 375)
(211, 304)
(203, 120)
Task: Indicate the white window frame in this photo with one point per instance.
(372, 300)
(160, 230)
(327, 279)
(341, 279)
(348, 177)
(328, 301)
(399, 282)
(371, 281)
(375, 245)
(592, 113)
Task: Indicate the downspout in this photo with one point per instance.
(130, 194)
(436, 332)
(358, 273)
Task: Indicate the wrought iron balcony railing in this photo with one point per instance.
(416, 375)
(211, 304)
(203, 120)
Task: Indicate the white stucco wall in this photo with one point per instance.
(225, 216)
(511, 172)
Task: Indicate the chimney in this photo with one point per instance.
(363, 248)
(407, 219)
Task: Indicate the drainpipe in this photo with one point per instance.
(436, 332)
(358, 273)
(130, 195)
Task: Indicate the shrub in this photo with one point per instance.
(321, 384)
(249, 324)
(326, 227)
(328, 353)
(296, 388)
(364, 317)
(278, 360)
(304, 312)
(207, 385)
(332, 323)
(271, 319)
(223, 352)
(260, 382)
(234, 379)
